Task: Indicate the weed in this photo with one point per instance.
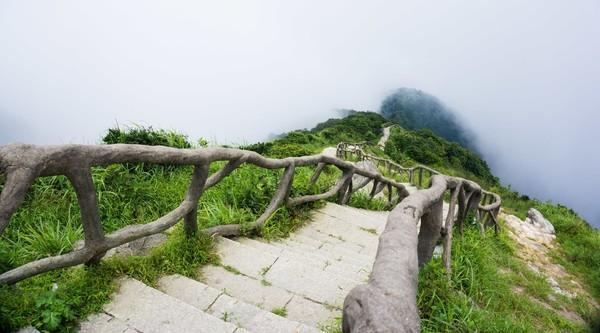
(282, 312)
(369, 230)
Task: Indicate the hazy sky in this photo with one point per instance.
(525, 75)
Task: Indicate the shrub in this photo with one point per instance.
(147, 136)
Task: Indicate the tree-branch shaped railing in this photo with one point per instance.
(388, 302)
(22, 164)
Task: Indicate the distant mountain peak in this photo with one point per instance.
(415, 109)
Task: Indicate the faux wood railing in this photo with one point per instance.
(22, 164)
(388, 302)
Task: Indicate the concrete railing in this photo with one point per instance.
(22, 164)
(388, 302)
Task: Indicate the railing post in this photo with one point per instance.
(190, 220)
(431, 225)
(81, 178)
(420, 177)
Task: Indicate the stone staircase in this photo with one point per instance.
(295, 285)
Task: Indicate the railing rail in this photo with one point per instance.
(388, 302)
(22, 164)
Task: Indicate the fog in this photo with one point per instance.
(525, 76)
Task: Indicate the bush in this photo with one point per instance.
(424, 147)
(147, 136)
(288, 150)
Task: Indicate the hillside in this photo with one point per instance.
(414, 109)
(492, 287)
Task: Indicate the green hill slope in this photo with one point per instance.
(491, 289)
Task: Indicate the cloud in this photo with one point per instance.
(523, 74)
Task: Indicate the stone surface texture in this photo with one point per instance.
(303, 278)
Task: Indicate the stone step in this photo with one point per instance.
(343, 230)
(290, 274)
(347, 236)
(267, 296)
(102, 322)
(317, 238)
(360, 218)
(137, 307)
(313, 258)
(331, 251)
(245, 259)
(219, 304)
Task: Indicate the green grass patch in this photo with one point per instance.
(481, 295)
(282, 312)
(54, 300)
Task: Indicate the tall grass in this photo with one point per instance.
(481, 294)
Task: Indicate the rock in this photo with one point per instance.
(557, 289)
(536, 218)
(529, 234)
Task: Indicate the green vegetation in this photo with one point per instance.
(54, 300)
(282, 312)
(146, 136)
(357, 127)
(424, 147)
(48, 223)
(489, 291)
(414, 109)
(580, 244)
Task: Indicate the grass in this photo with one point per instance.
(282, 312)
(490, 290)
(579, 250)
(481, 296)
(83, 290)
(369, 230)
(48, 224)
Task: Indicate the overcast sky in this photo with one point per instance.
(525, 75)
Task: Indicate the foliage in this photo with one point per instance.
(414, 109)
(48, 223)
(480, 296)
(579, 243)
(356, 127)
(52, 311)
(423, 146)
(147, 136)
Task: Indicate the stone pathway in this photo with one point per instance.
(295, 285)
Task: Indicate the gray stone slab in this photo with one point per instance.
(310, 313)
(245, 288)
(355, 216)
(341, 234)
(321, 233)
(192, 292)
(266, 297)
(309, 282)
(245, 259)
(346, 231)
(250, 317)
(313, 258)
(334, 251)
(101, 323)
(151, 311)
